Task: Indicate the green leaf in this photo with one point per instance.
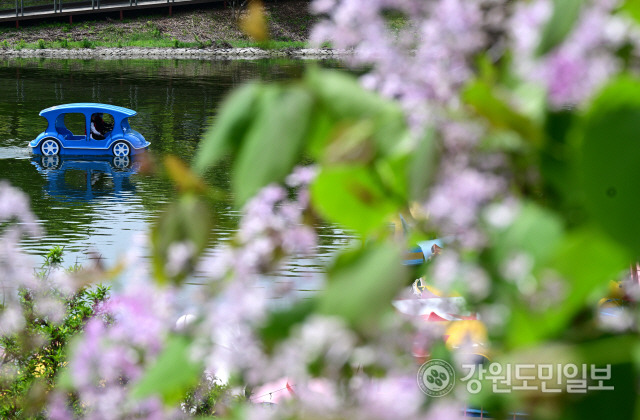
(587, 260)
(321, 128)
(231, 124)
(342, 95)
(535, 231)
(565, 14)
(557, 159)
(392, 172)
(279, 324)
(616, 349)
(275, 140)
(351, 144)
(188, 220)
(64, 380)
(352, 196)
(501, 115)
(597, 404)
(352, 114)
(422, 166)
(633, 8)
(171, 375)
(611, 152)
(362, 284)
(390, 130)
(182, 177)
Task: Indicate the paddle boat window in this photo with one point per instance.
(101, 125)
(69, 131)
(108, 120)
(125, 125)
(71, 126)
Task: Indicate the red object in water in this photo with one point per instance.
(433, 317)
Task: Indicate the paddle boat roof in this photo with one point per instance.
(88, 108)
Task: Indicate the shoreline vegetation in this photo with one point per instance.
(108, 53)
(199, 32)
(161, 43)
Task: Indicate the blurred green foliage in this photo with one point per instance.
(577, 221)
(565, 14)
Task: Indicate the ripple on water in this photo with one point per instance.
(15, 152)
(175, 102)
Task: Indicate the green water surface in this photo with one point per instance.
(102, 209)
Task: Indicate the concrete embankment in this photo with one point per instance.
(174, 53)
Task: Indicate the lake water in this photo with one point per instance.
(99, 206)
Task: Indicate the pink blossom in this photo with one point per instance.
(14, 204)
(425, 64)
(573, 71)
(57, 408)
(301, 176)
(111, 354)
(178, 256)
(455, 202)
(393, 397)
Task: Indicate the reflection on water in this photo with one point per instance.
(103, 204)
(92, 204)
(86, 179)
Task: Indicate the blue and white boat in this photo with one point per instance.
(116, 139)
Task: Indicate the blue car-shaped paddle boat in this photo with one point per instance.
(91, 136)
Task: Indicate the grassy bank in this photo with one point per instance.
(288, 21)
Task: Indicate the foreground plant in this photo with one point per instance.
(41, 312)
(508, 128)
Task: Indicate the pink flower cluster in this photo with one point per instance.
(271, 223)
(423, 63)
(272, 228)
(573, 71)
(15, 266)
(116, 347)
(423, 60)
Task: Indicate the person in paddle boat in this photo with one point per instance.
(79, 129)
(99, 129)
